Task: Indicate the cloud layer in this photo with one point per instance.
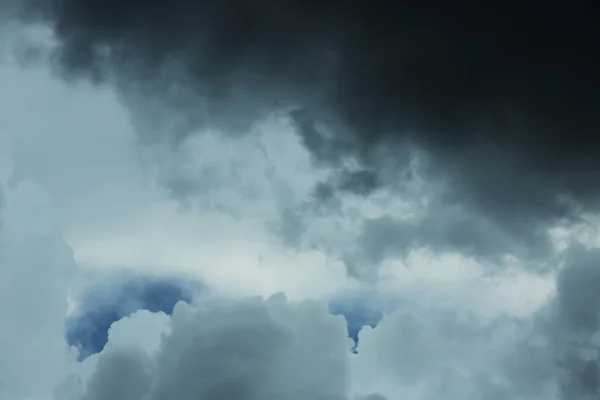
(254, 348)
(503, 120)
(251, 348)
(298, 136)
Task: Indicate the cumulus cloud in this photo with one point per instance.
(244, 349)
(99, 308)
(253, 348)
(113, 299)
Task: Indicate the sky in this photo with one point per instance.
(297, 200)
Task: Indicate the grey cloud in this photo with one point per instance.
(276, 349)
(554, 353)
(2, 201)
(108, 382)
(445, 229)
(375, 397)
(578, 299)
(36, 268)
(576, 334)
(248, 349)
(507, 114)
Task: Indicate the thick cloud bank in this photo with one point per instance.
(498, 103)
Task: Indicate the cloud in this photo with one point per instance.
(504, 121)
(362, 309)
(437, 349)
(36, 269)
(350, 139)
(116, 216)
(235, 349)
(417, 347)
(248, 348)
(117, 298)
(100, 306)
(421, 348)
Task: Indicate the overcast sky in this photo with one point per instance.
(125, 187)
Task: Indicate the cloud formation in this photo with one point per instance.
(251, 348)
(112, 300)
(36, 270)
(505, 118)
(481, 143)
(254, 348)
(103, 304)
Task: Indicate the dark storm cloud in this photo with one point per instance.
(502, 100)
(575, 321)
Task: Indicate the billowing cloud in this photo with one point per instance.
(423, 347)
(117, 298)
(99, 305)
(385, 136)
(504, 118)
(234, 349)
(420, 349)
